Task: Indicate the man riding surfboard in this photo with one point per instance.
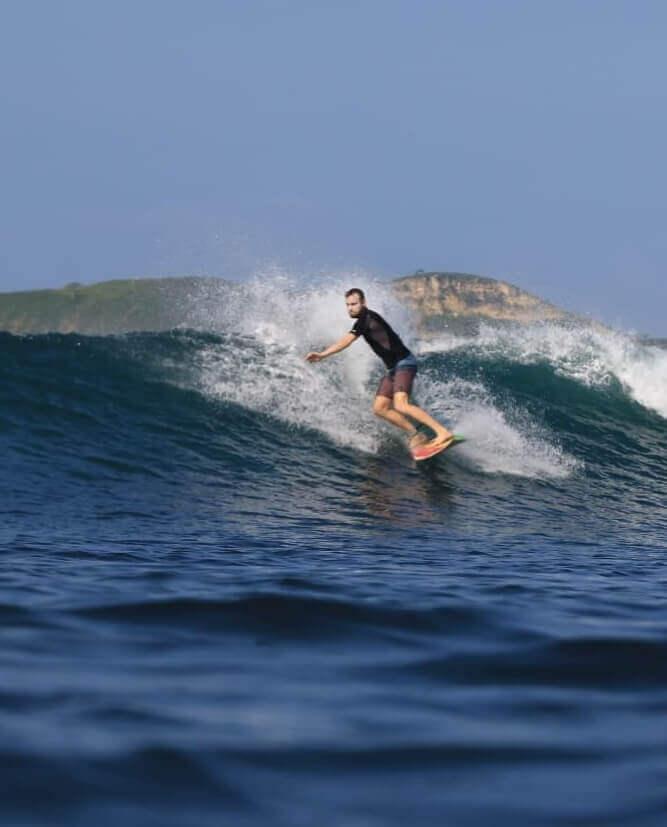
(392, 400)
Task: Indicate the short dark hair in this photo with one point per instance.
(356, 290)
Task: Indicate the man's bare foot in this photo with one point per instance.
(418, 439)
(441, 439)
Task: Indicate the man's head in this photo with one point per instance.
(355, 301)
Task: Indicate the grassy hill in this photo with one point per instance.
(108, 307)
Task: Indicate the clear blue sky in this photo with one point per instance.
(519, 139)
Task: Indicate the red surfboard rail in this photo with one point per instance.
(428, 450)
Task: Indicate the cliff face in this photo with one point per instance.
(434, 296)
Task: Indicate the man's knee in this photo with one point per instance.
(401, 402)
(381, 405)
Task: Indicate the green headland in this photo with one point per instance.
(122, 306)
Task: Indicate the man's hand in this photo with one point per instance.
(341, 344)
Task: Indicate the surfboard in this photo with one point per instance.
(426, 451)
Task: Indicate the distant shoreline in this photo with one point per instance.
(437, 300)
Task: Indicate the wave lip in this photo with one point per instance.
(591, 355)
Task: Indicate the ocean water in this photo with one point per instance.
(229, 596)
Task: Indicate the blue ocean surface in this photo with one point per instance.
(228, 595)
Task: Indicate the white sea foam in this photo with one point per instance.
(591, 355)
(270, 326)
(498, 441)
(266, 371)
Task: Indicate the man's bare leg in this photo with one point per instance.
(404, 407)
(382, 407)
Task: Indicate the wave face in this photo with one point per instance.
(228, 593)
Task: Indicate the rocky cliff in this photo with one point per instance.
(435, 297)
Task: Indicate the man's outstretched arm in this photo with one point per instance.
(341, 344)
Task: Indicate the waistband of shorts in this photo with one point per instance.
(408, 363)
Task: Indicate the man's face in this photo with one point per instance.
(354, 305)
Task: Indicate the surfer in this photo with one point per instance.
(392, 399)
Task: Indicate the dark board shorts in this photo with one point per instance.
(399, 378)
